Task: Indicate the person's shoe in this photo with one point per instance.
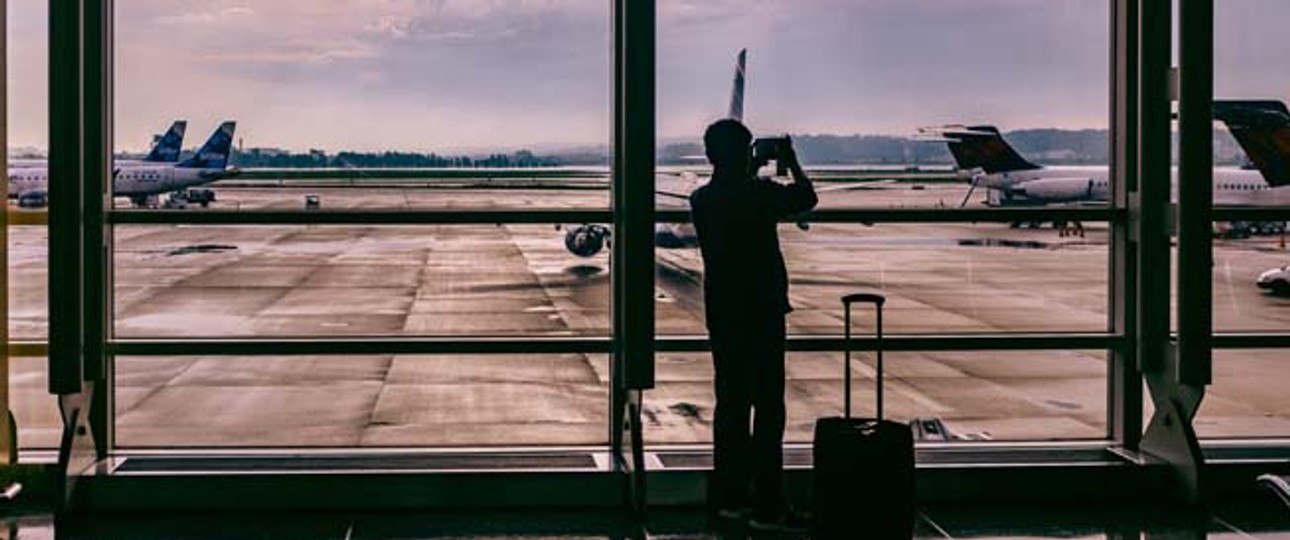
(786, 521)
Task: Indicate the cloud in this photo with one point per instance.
(228, 15)
(430, 73)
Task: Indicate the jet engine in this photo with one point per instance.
(586, 240)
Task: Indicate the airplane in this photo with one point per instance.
(673, 191)
(142, 181)
(1262, 128)
(165, 149)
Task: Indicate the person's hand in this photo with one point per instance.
(789, 156)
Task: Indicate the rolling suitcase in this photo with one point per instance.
(864, 468)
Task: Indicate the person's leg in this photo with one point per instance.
(769, 417)
(730, 435)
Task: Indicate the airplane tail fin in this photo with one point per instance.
(737, 91)
(166, 148)
(1262, 128)
(215, 153)
(981, 147)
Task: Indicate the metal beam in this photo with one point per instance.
(65, 172)
(8, 444)
(866, 216)
(96, 189)
(1124, 383)
(587, 345)
(1176, 377)
(1247, 213)
(633, 197)
(1195, 190)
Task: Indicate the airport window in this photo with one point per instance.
(27, 250)
(465, 149)
(975, 395)
(428, 193)
(485, 280)
(1251, 289)
(1241, 403)
(886, 131)
(451, 400)
(389, 105)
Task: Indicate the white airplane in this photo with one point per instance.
(27, 175)
(142, 181)
(1261, 127)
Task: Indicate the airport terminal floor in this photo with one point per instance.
(1252, 520)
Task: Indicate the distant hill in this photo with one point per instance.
(1044, 146)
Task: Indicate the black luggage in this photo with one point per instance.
(864, 468)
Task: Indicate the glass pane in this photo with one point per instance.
(1251, 287)
(35, 410)
(27, 86)
(853, 83)
(28, 283)
(993, 395)
(365, 105)
(939, 278)
(370, 401)
(1247, 398)
(460, 280)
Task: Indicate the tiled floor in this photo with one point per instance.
(1258, 519)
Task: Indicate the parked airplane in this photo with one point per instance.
(165, 149)
(142, 181)
(1262, 128)
(29, 175)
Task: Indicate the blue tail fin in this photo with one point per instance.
(1262, 128)
(214, 154)
(166, 149)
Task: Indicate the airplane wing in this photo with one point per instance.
(857, 186)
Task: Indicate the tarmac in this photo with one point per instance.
(517, 280)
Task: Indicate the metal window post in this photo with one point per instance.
(8, 443)
(65, 172)
(1195, 191)
(97, 196)
(79, 158)
(1177, 375)
(632, 259)
(1124, 383)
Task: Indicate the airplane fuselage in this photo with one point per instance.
(130, 181)
(1056, 185)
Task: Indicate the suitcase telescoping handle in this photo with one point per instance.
(867, 298)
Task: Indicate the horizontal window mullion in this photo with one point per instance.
(935, 215)
(1251, 213)
(28, 349)
(355, 346)
(28, 217)
(565, 215)
(357, 217)
(394, 345)
(1251, 341)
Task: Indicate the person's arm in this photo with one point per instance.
(801, 195)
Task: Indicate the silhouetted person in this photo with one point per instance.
(745, 286)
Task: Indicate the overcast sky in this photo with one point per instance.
(467, 74)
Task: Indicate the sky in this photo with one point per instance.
(467, 75)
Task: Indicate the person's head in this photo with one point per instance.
(728, 144)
